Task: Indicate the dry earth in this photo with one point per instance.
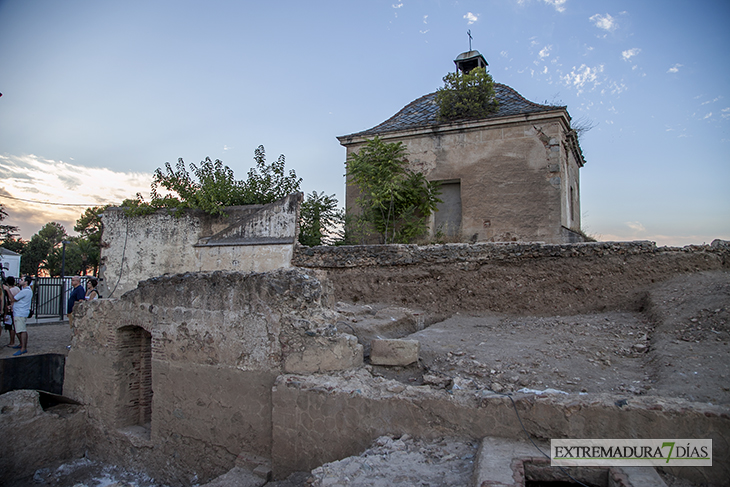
(676, 346)
(42, 338)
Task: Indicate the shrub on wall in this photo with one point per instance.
(469, 95)
(210, 186)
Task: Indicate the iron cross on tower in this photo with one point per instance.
(468, 32)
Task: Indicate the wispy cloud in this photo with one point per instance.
(636, 226)
(674, 69)
(605, 22)
(557, 4)
(397, 5)
(725, 112)
(35, 178)
(471, 18)
(709, 115)
(629, 53)
(545, 51)
(582, 77)
(425, 19)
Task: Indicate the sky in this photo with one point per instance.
(97, 94)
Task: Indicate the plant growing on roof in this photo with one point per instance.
(395, 202)
(468, 95)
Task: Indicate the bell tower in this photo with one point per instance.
(466, 61)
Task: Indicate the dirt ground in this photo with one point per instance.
(42, 338)
(677, 346)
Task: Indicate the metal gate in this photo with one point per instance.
(50, 295)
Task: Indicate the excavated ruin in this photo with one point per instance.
(391, 365)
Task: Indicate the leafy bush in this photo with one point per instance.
(468, 95)
(211, 186)
(394, 201)
(320, 221)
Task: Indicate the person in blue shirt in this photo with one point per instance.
(77, 294)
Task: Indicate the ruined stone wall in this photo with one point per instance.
(515, 174)
(255, 238)
(321, 419)
(34, 438)
(519, 278)
(183, 366)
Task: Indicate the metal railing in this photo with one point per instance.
(50, 295)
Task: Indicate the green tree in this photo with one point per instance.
(394, 201)
(71, 264)
(16, 245)
(89, 228)
(268, 183)
(34, 253)
(7, 232)
(320, 221)
(89, 254)
(464, 96)
(211, 186)
(41, 245)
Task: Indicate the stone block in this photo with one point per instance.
(394, 352)
(324, 354)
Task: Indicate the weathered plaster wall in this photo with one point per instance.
(515, 174)
(322, 419)
(255, 238)
(33, 438)
(519, 278)
(218, 341)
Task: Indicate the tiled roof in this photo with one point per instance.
(422, 112)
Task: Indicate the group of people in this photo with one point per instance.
(16, 301)
(15, 304)
(78, 293)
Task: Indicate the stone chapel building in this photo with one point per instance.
(510, 176)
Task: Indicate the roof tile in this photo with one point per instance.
(423, 112)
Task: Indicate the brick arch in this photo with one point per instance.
(134, 377)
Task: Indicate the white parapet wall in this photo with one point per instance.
(255, 238)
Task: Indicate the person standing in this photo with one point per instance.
(91, 292)
(77, 294)
(12, 290)
(21, 310)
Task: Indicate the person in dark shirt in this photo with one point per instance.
(77, 294)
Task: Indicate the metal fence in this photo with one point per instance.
(50, 295)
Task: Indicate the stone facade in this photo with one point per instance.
(513, 176)
(254, 238)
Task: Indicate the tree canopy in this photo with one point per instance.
(211, 186)
(395, 202)
(320, 221)
(7, 232)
